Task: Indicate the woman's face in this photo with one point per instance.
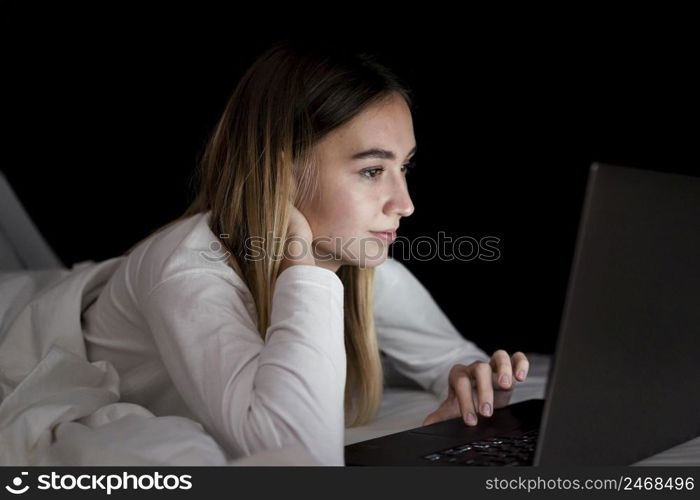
(362, 193)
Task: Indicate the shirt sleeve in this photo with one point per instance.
(249, 394)
(416, 336)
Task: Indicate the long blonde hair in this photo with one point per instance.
(290, 98)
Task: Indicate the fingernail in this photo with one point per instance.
(486, 409)
(471, 418)
(505, 380)
(521, 374)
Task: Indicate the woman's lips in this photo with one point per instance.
(388, 236)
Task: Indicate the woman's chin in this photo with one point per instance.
(372, 262)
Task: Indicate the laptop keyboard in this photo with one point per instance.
(498, 450)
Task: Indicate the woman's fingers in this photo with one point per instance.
(484, 377)
(521, 365)
(501, 365)
(463, 390)
(481, 373)
(446, 411)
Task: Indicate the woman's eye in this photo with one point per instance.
(408, 166)
(372, 173)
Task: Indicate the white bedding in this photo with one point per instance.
(57, 408)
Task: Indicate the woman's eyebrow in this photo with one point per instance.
(379, 153)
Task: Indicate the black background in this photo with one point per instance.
(105, 113)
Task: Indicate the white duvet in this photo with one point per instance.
(57, 408)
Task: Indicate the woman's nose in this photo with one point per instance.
(400, 202)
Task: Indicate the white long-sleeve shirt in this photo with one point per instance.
(178, 324)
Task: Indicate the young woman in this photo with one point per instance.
(256, 312)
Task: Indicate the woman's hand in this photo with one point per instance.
(297, 245)
(298, 225)
(493, 383)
